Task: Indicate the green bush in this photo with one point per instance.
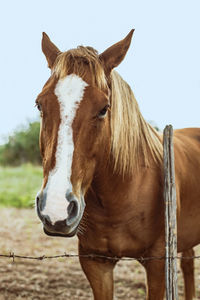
(22, 146)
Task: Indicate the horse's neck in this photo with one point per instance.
(108, 186)
(112, 199)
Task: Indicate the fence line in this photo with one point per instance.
(93, 256)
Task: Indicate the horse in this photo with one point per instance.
(103, 170)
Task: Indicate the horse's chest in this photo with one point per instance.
(126, 230)
(113, 241)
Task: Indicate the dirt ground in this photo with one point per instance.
(61, 279)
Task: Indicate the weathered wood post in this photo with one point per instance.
(170, 216)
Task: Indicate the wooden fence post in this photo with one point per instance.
(170, 216)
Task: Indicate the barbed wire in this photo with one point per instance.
(93, 256)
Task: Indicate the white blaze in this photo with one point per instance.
(69, 92)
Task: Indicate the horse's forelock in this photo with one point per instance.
(81, 61)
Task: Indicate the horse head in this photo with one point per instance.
(75, 129)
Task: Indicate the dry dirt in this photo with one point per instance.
(59, 279)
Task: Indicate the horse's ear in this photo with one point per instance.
(49, 50)
(114, 55)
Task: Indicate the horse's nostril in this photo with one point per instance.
(72, 212)
(38, 204)
(72, 208)
(47, 221)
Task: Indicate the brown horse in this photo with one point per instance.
(103, 169)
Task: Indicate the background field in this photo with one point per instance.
(19, 185)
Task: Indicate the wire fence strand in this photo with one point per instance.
(13, 256)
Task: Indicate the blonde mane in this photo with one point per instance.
(133, 141)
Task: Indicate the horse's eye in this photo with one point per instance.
(38, 105)
(103, 112)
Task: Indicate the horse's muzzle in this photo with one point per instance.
(67, 227)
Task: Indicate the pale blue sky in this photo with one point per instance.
(162, 65)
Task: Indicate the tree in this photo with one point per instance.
(22, 146)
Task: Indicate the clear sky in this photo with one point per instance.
(162, 65)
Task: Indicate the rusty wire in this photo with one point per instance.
(93, 256)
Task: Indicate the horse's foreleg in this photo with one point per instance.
(187, 266)
(100, 276)
(155, 271)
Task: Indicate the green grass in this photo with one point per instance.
(19, 185)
